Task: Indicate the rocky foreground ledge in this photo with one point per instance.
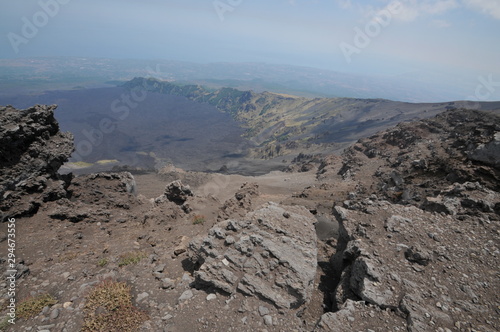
(270, 254)
(419, 234)
(32, 151)
(416, 248)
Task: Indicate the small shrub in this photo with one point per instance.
(32, 306)
(198, 219)
(108, 294)
(67, 257)
(102, 262)
(132, 257)
(114, 301)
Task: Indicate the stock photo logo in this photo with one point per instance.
(484, 90)
(372, 29)
(31, 26)
(222, 7)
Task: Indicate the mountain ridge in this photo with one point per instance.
(173, 122)
(281, 125)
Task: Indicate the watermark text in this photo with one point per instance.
(11, 272)
(32, 25)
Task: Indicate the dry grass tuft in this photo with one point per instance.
(132, 257)
(32, 306)
(198, 219)
(109, 308)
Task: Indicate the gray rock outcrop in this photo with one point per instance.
(177, 192)
(269, 254)
(415, 269)
(488, 153)
(32, 149)
(239, 205)
(93, 198)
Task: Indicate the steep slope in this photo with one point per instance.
(149, 123)
(286, 125)
(145, 132)
(414, 160)
(429, 262)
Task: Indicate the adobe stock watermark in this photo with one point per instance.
(483, 92)
(121, 107)
(223, 6)
(363, 37)
(32, 25)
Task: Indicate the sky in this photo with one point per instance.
(450, 39)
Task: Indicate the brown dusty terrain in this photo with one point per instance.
(63, 257)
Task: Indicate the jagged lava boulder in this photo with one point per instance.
(269, 254)
(405, 269)
(97, 198)
(32, 149)
(415, 160)
(418, 235)
(177, 192)
(242, 202)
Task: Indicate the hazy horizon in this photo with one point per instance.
(452, 43)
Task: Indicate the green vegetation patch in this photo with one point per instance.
(132, 257)
(102, 262)
(198, 219)
(80, 164)
(107, 161)
(108, 307)
(32, 306)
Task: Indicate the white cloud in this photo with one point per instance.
(344, 3)
(438, 7)
(441, 24)
(411, 9)
(491, 7)
(407, 10)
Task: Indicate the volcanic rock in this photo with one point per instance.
(241, 203)
(32, 149)
(177, 192)
(273, 257)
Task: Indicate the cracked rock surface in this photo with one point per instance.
(270, 253)
(418, 245)
(32, 150)
(433, 271)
